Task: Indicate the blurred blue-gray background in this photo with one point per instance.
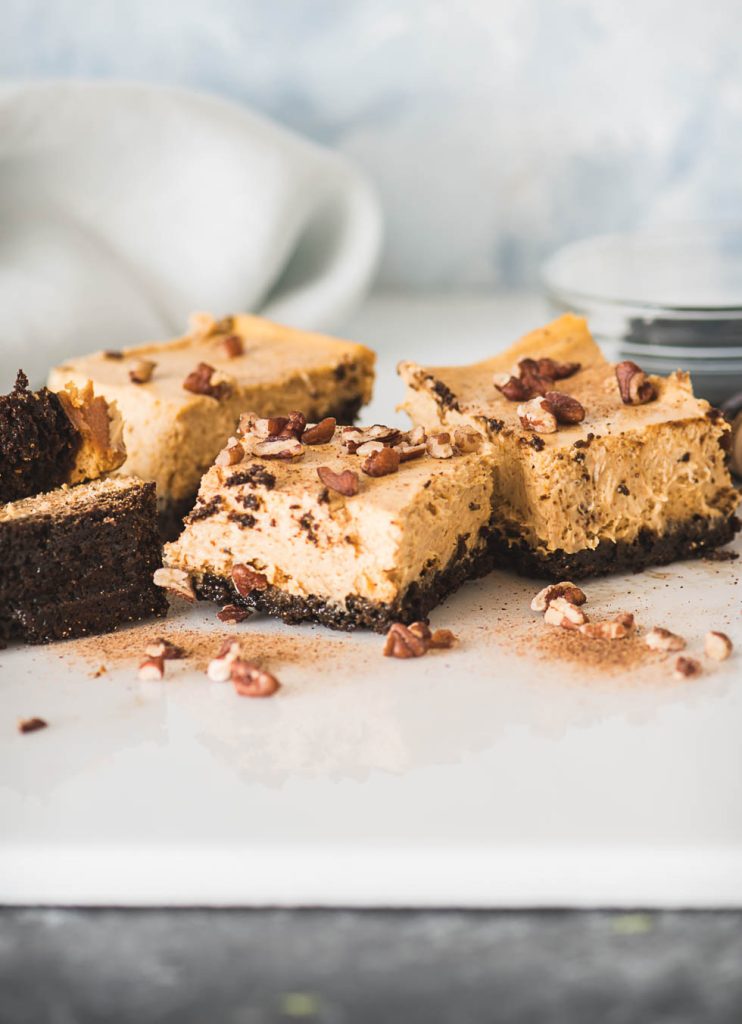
(494, 130)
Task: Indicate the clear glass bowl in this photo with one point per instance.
(667, 299)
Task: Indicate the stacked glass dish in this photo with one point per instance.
(667, 299)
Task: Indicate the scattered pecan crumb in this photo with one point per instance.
(686, 668)
(176, 581)
(152, 669)
(660, 639)
(232, 346)
(200, 382)
(381, 463)
(717, 645)
(561, 612)
(402, 642)
(407, 451)
(416, 640)
(100, 671)
(626, 619)
(141, 371)
(31, 724)
(320, 433)
(246, 579)
(565, 589)
(606, 630)
(219, 668)
(162, 648)
(345, 483)
(113, 353)
(233, 614)
(633, 384)
(251, 681)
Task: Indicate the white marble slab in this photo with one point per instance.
(483, 776)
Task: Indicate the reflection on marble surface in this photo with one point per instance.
(494, 132)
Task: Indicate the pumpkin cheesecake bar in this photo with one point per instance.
(181, 399)
(598, 466)
(343, 526)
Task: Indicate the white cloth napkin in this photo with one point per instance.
(125, 207)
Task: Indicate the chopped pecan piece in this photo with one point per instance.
(409, 451)
(686, 668)
(402, 642)
(717, 645)
(565, 589)
(660, 639)
(279, 448)
(415, 436)
(344, 483)
(381, 463)
(561, 612)
(296, 424)
(176, 581)
(467, 439)
(538, 415)
(512, 388)
(232, 346)
(353, 437)
(566, 408)
(439, 446)
(320, 433)
(553, 370)
(633, 385)
(232, 454)
(162, 648)
(152, 669)
(442, 638)
(200, 382)
(251, 681)
(140, 372)
(233, 614)
(246, 579)
(532, 378)
(273, 426)
(369, 447)
(31, 724)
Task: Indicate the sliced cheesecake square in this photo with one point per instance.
(598, 467)
(50, 438)
(345, 527)
(181, 399)
(79, 560)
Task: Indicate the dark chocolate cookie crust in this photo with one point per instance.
(692, 539)
(170, 518)
(357, 612)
